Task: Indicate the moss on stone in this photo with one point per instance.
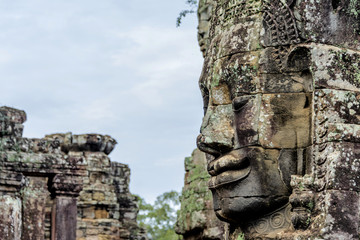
(195, 196)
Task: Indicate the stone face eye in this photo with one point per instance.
(238, 103)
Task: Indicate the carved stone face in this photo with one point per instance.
(257, 115)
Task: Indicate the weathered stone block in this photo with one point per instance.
(11, 222)
(285, 120)
(12, 114)
(337, 116)
(330, 22)
(34, 197)
(281, 83)
(101, 213)
(335, 68)
(343, 166)
(98, 196)
(342, 215)
(64, 225)
(238, 71)
(229, 42)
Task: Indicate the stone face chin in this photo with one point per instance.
(249, 186)
(241, 210)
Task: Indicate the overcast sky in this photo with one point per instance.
(115, 67)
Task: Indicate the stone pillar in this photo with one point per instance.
(10, 205)
(10, 181)
(10, 223)
(34, 197)
(66, 189)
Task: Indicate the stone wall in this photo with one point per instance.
(196, 219)
(62, 187)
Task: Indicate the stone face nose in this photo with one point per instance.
(217, 133)
(205, 147)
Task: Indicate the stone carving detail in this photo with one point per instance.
(280, 24)
(240, 9)
(302, 201)
(280, 29)
(271, 223)
(66, 185)
(281, 123)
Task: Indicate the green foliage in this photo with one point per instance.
(354, 8)
(159, 219)
(241, 237)
(192, 4)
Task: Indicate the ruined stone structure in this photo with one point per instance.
(196, 219)
(62, 187)
(281, 91)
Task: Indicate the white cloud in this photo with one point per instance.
(98, 109)
(171, 161)
(5, 56)
(160, 57)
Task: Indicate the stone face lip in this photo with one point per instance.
(12, 115)
(228, 177)
(229, 168)
(84, 142)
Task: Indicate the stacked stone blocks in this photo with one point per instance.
(62, 187)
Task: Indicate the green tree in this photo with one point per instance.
(192, 4)
(159, 219)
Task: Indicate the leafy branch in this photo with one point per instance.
(192, 4)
